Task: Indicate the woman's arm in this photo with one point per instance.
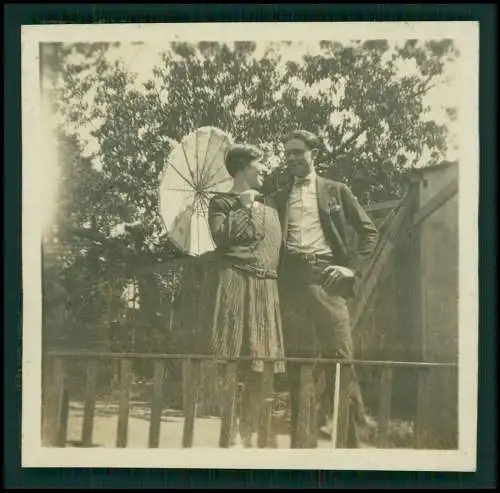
(232, 224)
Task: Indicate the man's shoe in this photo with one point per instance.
(326, 431)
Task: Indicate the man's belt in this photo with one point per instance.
(311, 258)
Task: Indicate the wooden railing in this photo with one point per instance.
(57, 397)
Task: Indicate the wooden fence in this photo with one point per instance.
(57, 398)
(406, 216)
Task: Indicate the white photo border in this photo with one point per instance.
(466, 37)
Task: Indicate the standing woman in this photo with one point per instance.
(244, 293)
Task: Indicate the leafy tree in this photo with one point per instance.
(117, 135)
(369, 115)
(95, 247)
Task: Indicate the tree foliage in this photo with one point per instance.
(116, 136)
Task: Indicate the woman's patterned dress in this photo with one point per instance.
(241, 290)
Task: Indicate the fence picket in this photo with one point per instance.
(156, 405)
(124, 408)
(304, 430)
(266, 406)
(422, 399)
(344, 407)
(89, 405)
(384, 407)
(191, 379)
(336, 406)
(57, 404)
(228, 406)
(62, 432)
(304, 438)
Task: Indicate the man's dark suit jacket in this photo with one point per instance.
(337, 207)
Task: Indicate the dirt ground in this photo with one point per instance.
(206, 429)
(206, 432)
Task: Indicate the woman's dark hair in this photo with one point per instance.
(239, 156)
(309, 139)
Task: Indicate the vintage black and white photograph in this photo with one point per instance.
(248, 247)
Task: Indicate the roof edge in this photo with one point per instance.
(433, 167)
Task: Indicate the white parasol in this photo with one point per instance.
(195, 171)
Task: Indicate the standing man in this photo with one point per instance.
(315, 274)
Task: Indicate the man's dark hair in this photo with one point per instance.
(309, 139)
(239, 156)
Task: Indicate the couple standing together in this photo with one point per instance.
(284, 276)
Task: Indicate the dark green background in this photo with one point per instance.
(15, 16)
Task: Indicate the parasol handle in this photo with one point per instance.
(232, 194)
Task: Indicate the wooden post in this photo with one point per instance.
(156, 405)
(294, 378)
(230, 383)
(186, 372)
(208, 399)
(417, 246)
(47, 402)
(125, 383)
(89, 406)
(266, 406)
(314, 408)
(303, 438)
(57, 404)
(422, 402)
(238, 410)
(46, 364)
(191, 378)
(336, 404)
(384, 407)
(62, 431)
(344, 406)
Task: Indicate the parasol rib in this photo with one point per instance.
(205, 181)
(218, 182)
(175, 224)
(179, 189)
(193, 215)
(188, 165)
(196, 154)
(208, 147)
(204, 198)
(210, 236)
(206, 168)
(207, 178)
(182, 176)
(203, 177)
(198, 231)
(213, 175)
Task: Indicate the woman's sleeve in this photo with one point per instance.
(232, 224)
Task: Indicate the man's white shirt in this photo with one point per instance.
(304, 232)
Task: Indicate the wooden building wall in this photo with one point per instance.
(385, 330)
(413, 313)
(436, 327)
